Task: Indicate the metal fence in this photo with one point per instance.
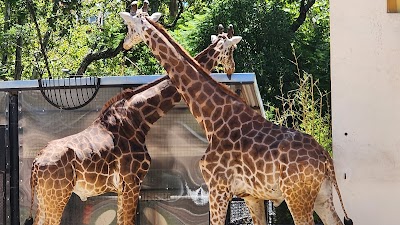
(173, 191)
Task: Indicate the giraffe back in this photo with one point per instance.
(131, 113)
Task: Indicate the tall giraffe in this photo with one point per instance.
(247, 155)
(110, 155)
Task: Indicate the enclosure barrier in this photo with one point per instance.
(28, 122)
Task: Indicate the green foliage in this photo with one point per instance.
(313, 44)
(184, 33)
(263, 24)
(86, 34)
(305, 108)
(140, 60)
(267, 39)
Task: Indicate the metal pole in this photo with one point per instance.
(14, 158)
(3, 175)
(228, 214)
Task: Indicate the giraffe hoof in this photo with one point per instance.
(348, 221)
(29, 221)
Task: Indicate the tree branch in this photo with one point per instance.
(106, 54)
(31, 9)
(304, 8)
(7, 15)
(51, 22)
(112, 52)
(177, 17)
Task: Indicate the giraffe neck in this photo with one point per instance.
(139, 116)
(132, 117)
(208, 58)
(209, 102)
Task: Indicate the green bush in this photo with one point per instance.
(304, 108)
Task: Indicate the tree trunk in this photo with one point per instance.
(173, 8)
(51, 23)
(7, 12)
(304, 8)
(178, 15)
(18, 53)
(31, 9)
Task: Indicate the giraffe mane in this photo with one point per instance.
(191, 61)
(128, 93)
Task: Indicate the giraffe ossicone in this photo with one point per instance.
(247, 155)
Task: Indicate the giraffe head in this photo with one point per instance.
(224, 43)
(228, 44)
(133, 38)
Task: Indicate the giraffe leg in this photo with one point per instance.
(131, 179)
(302, 212)
(53, 190)
(219, 189)
(127, 204)
(219, 198)
(257, 210)
(324, 205)
(40, 213)
(300, 200)
(51, 205)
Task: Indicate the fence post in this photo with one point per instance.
(228, 214)
(3, 175)
(14, 158)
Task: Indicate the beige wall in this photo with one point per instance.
(365, 54)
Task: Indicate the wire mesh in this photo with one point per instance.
(239, 213)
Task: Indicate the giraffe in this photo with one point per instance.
(110, 155)
(247, 155)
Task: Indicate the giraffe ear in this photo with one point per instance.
(128, 19)
(232, 41)
(155, 17)
(236, 39)
(214, 38)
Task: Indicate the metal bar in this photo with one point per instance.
(259, 99)
(228, 214)
(3, 212)
(14, 158)
(2, 150)
(112, 81)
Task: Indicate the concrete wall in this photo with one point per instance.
(365, 54)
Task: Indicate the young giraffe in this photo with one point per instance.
(110, 155)
(247, 156)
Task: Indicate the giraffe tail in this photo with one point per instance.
(29, 220)
(332, 177)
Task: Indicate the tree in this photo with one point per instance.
(269, 29)
(12, 39)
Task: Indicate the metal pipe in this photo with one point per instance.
(14, 158)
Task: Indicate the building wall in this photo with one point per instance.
(365, 54)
